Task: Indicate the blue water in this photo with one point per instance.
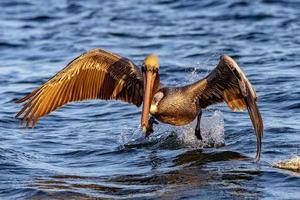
(94, 149)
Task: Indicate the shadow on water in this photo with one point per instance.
(198, 157)
(187, 166)
(188, 172)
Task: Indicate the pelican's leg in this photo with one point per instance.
(150, 126)
(197, 129)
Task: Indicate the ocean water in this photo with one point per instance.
(95, 149)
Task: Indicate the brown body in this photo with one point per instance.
(99, 74)
(178, 107)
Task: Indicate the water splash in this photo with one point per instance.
(132, 135)
(212, 132)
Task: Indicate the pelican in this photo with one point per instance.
(99, 74)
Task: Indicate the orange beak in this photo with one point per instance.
(149, 78)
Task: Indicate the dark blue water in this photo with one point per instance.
(94, 149)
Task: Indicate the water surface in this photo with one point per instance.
(95, 149)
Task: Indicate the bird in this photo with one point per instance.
(100, 74)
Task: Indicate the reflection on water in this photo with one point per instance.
(189, 172)
(197, 157)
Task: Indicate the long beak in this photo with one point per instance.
(149, 78)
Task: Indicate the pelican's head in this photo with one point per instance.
(151, 63)
(151, 82)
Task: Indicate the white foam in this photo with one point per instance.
(212, 132)
(291, 164)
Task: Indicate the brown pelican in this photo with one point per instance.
(98, 74)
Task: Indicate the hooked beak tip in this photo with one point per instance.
(144, 129)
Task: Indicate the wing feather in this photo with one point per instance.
(96, 74)
(227, 82)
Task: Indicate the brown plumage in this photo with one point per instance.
(227, 82)
(99, 74)
(96, 74)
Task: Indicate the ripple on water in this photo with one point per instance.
(95, 149)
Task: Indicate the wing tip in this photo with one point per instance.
(259, 135)
(257, 157)
(258, 125)
(22, 100)
(250, 100)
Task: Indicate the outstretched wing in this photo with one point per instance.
(96, 74)
(227, 82)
